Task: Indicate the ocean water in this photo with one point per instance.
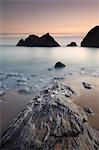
(25, 70)
(33, 67)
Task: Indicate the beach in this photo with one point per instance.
(13, 102)
(55, 113)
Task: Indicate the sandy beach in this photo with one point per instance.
(87, 97)
(13, 102)
(11, 105)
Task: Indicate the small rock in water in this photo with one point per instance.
(59, 65)
(24, 90)
(59, 78)
(88, 110)
(49, 69)
(72, 44)
(87, 85)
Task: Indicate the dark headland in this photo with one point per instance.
(92, 38)
(35, 41)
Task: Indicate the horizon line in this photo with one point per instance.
(39, 33)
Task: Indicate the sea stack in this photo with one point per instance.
(34, 41)
(72, 44)
(92, 38)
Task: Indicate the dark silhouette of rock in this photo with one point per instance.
(49, 120)
(35, 41)
(72, 44)
(92, 38)
(59, 65)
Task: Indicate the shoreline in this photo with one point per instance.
(13, 102)
(64, 123)
(87, 97)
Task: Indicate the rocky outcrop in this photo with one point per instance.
(72, 44)
(35, 41)
(92, 38)
(49, 121)
(59, 65)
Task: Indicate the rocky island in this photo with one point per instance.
(34, 41)
(72, 44)
(92, 38)
(51, 121)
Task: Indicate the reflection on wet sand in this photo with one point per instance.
(87, 97)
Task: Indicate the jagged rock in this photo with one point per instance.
(92, 38)
(43, 41)
(48, 120)
(59, 65)
(72, 44)
(87, 85)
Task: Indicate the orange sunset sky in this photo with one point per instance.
(54, 16)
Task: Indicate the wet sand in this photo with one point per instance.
(13, 102)
(87, 97)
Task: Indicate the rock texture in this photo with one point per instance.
(59, 65)
(50, 121)
(92, 38)
(35, 41)
(72, 44)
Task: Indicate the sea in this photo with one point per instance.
(33, 67)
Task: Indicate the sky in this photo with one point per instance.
(53, 16)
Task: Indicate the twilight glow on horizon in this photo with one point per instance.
(54, 16)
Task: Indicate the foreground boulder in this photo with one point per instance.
(50, 121)
(43, 41)
(72, 44)
(92, 38)
(59, 65)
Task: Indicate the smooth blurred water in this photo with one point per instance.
(36, 61)
(33, 60)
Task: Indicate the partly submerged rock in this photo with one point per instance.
(34, 41)
(59, 65)
(50, 69)
(92, 38)
(48, 120)
(24, 90)
(72, 44)
(87, 85)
